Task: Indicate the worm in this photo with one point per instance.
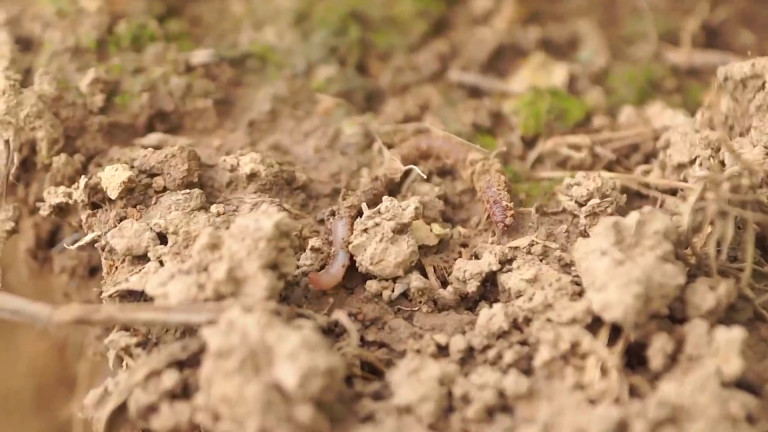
(333, 273)
(341, 230)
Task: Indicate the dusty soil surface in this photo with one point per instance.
(389, 215)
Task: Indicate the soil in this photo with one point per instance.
(389, 215)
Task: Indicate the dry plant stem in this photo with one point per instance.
(480, 82)
(686, 57)
(749, 253)
(606, 137)
(658, 183)
(603, 143)
(21, 309)
(693, 23)
(650, 25)
(7, 168)
(697, 59)
(738, 211)
(408, 133)
(105, 413)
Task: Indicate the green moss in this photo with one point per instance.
(530, 192)
(486, 141)
(513, 175)
(535, 192)
(264, 52)
(123, 99)
(133, 35)
(90, 43)
(176, 31)
(348, 28)
(115, 70)
(540, 111)
(60, 7)
(693, 94)
(633, 84)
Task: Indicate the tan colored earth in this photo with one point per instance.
(393, 215)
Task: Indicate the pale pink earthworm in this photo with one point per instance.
(333, 273)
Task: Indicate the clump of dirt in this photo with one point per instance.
(115, 179)
(468, 274)
(613, 264)
(255, 375)
(212, 269)
(383, 242)
(710, 358)
(421, 385)
(709, 298)
(555, 288)
(590, 196)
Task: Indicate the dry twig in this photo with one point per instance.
(604, 144)
(481, 82)
(697, 59)
(24, 310)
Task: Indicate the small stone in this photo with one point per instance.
(115, 179)
(659, 351)
(386, 295)
(728, 346)
(515, 384)
(458, 347)
(158, 184)
(423, 234)
(132, 238)
(202, 57)
(441, 339)
(156, 140)
(218, 210)
(376, 287)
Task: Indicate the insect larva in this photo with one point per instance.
(498, 205)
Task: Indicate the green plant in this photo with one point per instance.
(486, 141)
(693, 94)
(530, 192)
(176, 30)
(540, 111)
(123, 99)
(133, 35)
(348, 28)
(633, 84)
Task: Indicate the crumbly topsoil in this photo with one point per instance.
(201, 155)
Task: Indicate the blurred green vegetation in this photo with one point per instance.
(530, 192)
(348, 29)
(633, 84)
(539, 111)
